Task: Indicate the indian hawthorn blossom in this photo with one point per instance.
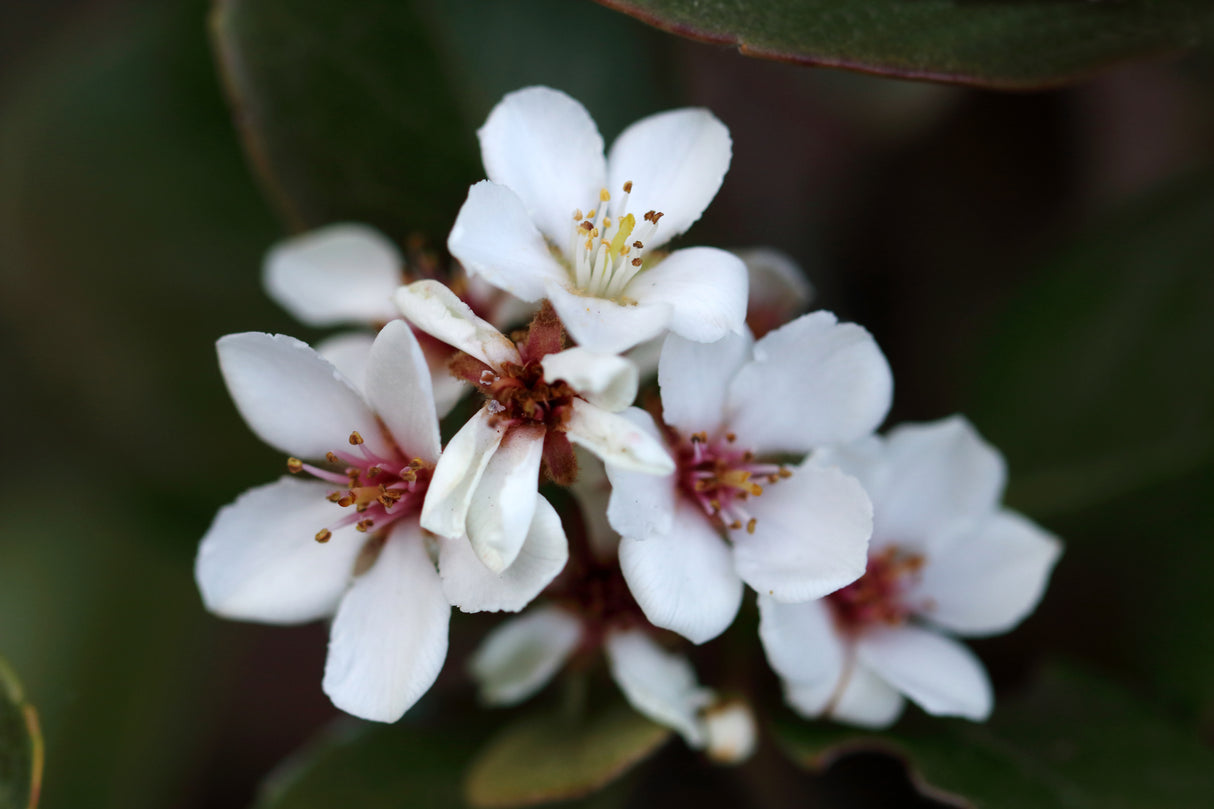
(558, 220)
(945, 559)
(340, 536)
(737, 415)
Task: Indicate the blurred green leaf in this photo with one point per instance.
(994, 43)
(371, 766)
(558, 756)
(1097, 381)
(368, 111)
(20, 745)
(1073, 741)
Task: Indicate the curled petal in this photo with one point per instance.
(520, 656)
(617, 440)
(503, 504)
(337, 274)
(398, 386)
(457, 474)
(389, 637)
(605, 380)
(605, 326)
(439, 312)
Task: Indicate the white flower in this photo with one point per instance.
(733, 410)
(522, 655)
(945, 558)
(557, 220)
(538, 400)
(346, 274)
(348, 544)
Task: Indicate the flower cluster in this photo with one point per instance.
(750, 461)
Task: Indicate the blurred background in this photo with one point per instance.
(1042, 262)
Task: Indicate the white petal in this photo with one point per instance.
(519, 657)
(260, 561)
(439, 312)
(991, 578)
(811, 535)
(389, 637)
(337, 274)
(813, 381)
(349, 353)
(640, 506)
(938, 474)
(593, 494)
(605, 380)
(694, 378)
(658, 684)
(605, 326)
(617, 440)
(457, 474)
(398, 387)
(683, 581)
(779, 289)
(293, 399)
(503, 504)
(802, 645)
(938, 673)
(495, 239)
(473, 587)
(545, 146)
(867, 700)
(645, 357)
(676, 161)
(704, 287)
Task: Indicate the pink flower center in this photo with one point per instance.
(878, 598)
(376, 491)
(721, 478)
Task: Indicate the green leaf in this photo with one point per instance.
(368, 112)
(1096, 382)
(559, 756)
(996, 43)
(1073, 741)
(20, 745)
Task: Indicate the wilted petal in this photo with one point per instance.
(803, 646)
(938, 474)
(604, 326)
(503, 503)
(676, 161)
(389, 637)
(658, 684)
(989, 578)
(617, 440)
(439, 312)
(694, 378)
(398, 386)
(495, 239)
(684, 581)
(337, 274)
(520, 656)
(811, 535)
(605, 380)
(938, 673)
(545, 147)
(473, 587)
(260, 561)
(867, 700)
(812, 382)
(293, 399)
(349, 353)
(457, 474)
(704, 287)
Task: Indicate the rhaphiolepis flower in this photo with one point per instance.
(557, 220)
(737, 415)
(539, 397)
(347, 543)
(945, 559)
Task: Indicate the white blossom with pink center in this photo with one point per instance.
(737, 415)
(539, 401)
(945, 559)
(558, 220)
(340, 536)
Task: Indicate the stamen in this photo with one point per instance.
(355, 438)
(324, 535)
(294, 466)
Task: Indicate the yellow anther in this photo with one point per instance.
(294, 466)
(628, 187)
(750, 526)
(604, 195)
(577, 214)
(355, 438)
(332, 457)
(362, 525)
(324, 535)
